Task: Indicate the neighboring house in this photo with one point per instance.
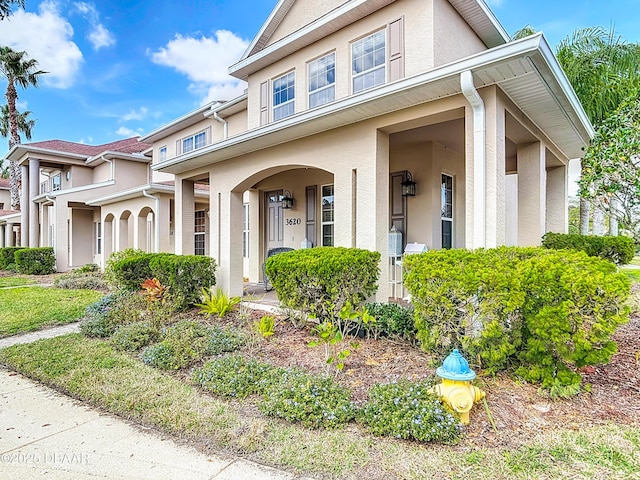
(349, 100)
(9, 219)
(89, 201)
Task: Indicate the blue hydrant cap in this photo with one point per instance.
(455, 367)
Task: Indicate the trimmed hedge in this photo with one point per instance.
(322, 280)
(619, 250)
(7, 256)
(185, 275)
(35, 261)
(541, 313)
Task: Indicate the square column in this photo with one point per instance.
(495, 233)
(34, 176)
(531, 194)
(185, 217)
(24, 208)
(557, 200)
(226, 239)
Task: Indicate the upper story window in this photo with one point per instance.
(284, 96)
(368, 61)
(56, 183)
(322, 80)
(193, 143)
(162, 154)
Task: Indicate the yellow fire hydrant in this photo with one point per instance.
(456, 388)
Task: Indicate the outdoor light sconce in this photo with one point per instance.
(287, 200)
(408, 186)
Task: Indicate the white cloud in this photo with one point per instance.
(205, 61)
(99, 37)
(126, 132)
(46, 36)
(135, 114)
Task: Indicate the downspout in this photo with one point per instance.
(156, 222)
(113, 167)
(225, 124)
(479, 158)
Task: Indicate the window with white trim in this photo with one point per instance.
(200, 218)
(162, 154)
(322, 80)
(327, 215)
(284, 96)
(194, 142)
(56, 183)
(368, 61)
(245, 230)
(98, 238)
(446, 202)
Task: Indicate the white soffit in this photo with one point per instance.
(480, 17)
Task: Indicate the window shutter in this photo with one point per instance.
(312, 208)
(208, 138)
(178, 149)
(396, 49)
(264, 103)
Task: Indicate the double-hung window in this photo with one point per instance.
(162, 154)
(322, 80)
(446, 194)
(327, 215)
(98, 237)
(200, 232)
(284, 96)
(368, 61)
(194, 142)
(56, 183)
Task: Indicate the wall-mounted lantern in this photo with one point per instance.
(287, 200)
(408, 186)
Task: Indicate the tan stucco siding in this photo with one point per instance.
(213, 128)
(5, 198)
(418, 56)
(302, 13)
(453, 38)
(237, 123)
(82, 240)
(102, 173)
(81, 176)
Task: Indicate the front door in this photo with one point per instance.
(274, 227)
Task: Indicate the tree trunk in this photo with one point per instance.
(14, 139)
(613, 218)
(14, 184)
(585, 206)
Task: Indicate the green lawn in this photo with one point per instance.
(15, 281)
(31, 308)
(632, 274)
(92, 371)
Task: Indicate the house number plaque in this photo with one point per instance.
(293, 221)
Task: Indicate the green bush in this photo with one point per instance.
(129, 272)
(619, 250)
(97, 321)
(322, 280)
(188, 341)
(541, 312)
(186, 276)
(409, 411)
(234, 376)
(36, 261)
(112, 270)
(7, 257)
(88, 268)
(78, 280)
(134, 336)
(392, 320)
(315, 402)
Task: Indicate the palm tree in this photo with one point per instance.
(5, 7)
(25, 124)
(23, 72)
(604, 71)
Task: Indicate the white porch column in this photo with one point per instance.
(163, 218)
(2, 236)
(107, 240)
(496, 215)
(374, 211)
(44, 228)
(531, 194)
(185, 217)
(8, 235)
(557, 200)
(227, 231)
(34, 177)
(24, 208)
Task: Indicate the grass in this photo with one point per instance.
(92, 371)
(31, 308)
(15, 281)
(632, 274)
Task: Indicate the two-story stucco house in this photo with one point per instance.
(88, 201)
(361, 115)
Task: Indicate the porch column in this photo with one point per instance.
(185, 217)
(531, 194)
(373, 210)
(2, 236)
(163, 217)
(495, 233)
(226, 238)
(8, 235)
(24, 208)
(44, 229)
(34, 177)
(557, 200)
(107, 240)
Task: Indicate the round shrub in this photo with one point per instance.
(315, 402)
(409, 411)
(392, 320)
(234, 376)
(134, 336)
(97, 322)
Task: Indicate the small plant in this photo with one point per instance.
(153, 291)
(392, 320)
(217, 304)
(266, 326)
(331, 338)
(77, 280)
(99, 316)
(234, 376)
(133, 337)
(315, 402)
(88, 268)
(409, 411)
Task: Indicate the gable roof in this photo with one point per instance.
(260, 54)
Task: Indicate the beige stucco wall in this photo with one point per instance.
(5, 197)
(82, 240)
(453, 37)
(170, 141)
(81, 176)
(237, 123)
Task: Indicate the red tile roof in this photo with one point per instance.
(128, 145)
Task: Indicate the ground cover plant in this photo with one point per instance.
(26, 309)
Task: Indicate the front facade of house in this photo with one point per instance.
(346, 101)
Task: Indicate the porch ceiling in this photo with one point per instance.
(526, 71)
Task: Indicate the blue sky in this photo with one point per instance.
(122, 68)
